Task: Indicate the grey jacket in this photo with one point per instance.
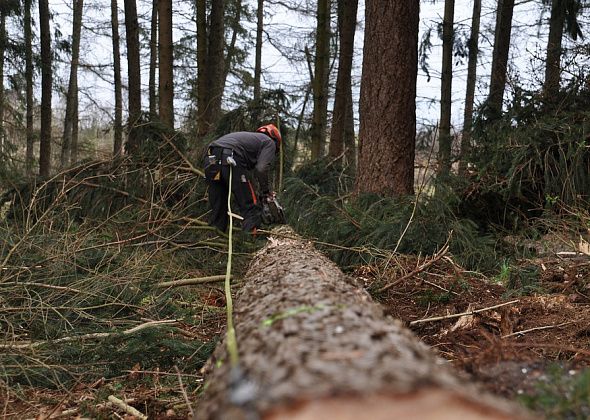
(254, 151)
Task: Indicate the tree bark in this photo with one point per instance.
(29, 154)
(118, 120)
(470, 88)
(2, 105)
(134, 73)
(445, 141)
(342, 116)
(201, 12)
(258, 57)
(69, 148)
(315, 346)
(500, 56)
(320, 80)
(166, 91)
(210, 109)
(553, 63)
(46, 90)
(153, 96)
(388, 98)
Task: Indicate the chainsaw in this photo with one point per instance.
(272, 211)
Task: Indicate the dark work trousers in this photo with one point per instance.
(217, 177)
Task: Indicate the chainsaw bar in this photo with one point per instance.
(272, 212)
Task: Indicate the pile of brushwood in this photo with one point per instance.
(90, 262)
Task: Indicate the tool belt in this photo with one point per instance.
(218, 155)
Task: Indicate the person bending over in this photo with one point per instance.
(245, 152)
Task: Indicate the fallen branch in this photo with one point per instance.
(126, 407)
(188, 403)
(190, 282)
(475, 311)
(546, 327)
(33, 344)
(417, 270)
(550, 346)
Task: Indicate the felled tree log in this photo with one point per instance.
(313, 345)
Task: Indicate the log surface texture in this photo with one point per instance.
(313, 345)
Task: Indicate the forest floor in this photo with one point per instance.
(533, 349)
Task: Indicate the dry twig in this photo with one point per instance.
(476, 311)
(546, 327)
(441, 253)
(191, 282)
(127, 408)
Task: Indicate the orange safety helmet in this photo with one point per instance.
(273, 132)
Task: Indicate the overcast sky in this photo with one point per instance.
(527, 50)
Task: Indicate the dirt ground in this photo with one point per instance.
(510, 349)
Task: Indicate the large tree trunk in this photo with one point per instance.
(118, 123)
(134, 73)
(68, 146)
(387, 134)
(552, 65)
(470, 88)
(312, 345)
(321, 80)
(445, 141)
(166, 62)
(342, 115)
(29, 154)
(46, 90)
(500, 56)
(153, 96)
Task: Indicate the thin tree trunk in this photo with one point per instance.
(553, 63)
(201, 12)
(387, 137)
(470, 89)
(166, 63)
(258, 58)
(118, 123)
(134, 73)
(68, 146)
(153, 97)
(500, 56)
(342, 116)
(320, 80)
(349, 137)
(315, 346)
(215, 66)
(231, 48)
(2, 105)
(445, 140)
(29, 154)
(46, 90)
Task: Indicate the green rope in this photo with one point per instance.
(232, 344)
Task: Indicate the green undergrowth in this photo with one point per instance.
(561, 394)
(319, 205)
(79, 270)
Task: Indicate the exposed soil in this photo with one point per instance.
(554, 327)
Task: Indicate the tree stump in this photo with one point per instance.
(313, 345)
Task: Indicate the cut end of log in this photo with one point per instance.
(434, 404)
